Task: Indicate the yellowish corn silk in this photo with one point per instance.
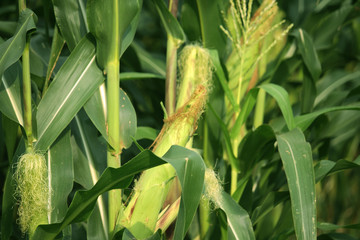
(32, 191)
(256, 41)
(213, 187)
(142, 213)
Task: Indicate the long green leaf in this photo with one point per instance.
(222, 79)
(71, 20)
(304, 121)
(109, 20)
(61, 177)
(190, 170)
(296, 156)
(308, 52)
(239, 224)
(326, 167)
(170, 23)
(73, 85)
(211, 12)
(282, 99)
(11, 50)
(335, 84)
(88, 153)
(10, 93)
(186, 162)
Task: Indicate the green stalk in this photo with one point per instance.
(112, 68)
(26, 87)
(27, 96)
(204, 211)
(113, 154)
(171, 59)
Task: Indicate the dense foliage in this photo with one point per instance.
(223, 119)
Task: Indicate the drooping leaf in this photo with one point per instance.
(335, 84)
(73, 85)
(304, 121)
(71, 20)
(12, 49)
(186, 162)
(326, 167)
(239, 224)
(296, 157)
(282, 99)
(10, 93)
(170, 23)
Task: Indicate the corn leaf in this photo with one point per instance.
(327, 167)
(10, 93)
(308, 52)
(96, 110)
(61, 176)
(109, 21)
(172, 26)
(88, 156)
(282, 99)
(10, 51)
(296, 157)
(73, 85)
(304, 121)
(71, 20)
(187, 163)
(239, 224)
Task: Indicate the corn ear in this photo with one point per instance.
(141, 215)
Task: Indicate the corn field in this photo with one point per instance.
(180, 119)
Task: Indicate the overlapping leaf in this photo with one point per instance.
(73, 85)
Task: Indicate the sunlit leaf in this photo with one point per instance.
(296, 156)
(73, 85)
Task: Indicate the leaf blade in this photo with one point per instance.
(296, 156)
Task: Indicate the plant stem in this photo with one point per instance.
(204, 210)
(113, 155)
(259, 109)
(27, 95)
(27, 87)
(171, 61)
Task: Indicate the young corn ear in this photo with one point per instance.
(150, 191)
(32, 191)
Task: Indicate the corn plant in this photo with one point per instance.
(224, 119)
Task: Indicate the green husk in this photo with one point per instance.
(32, 191)
(142, 213)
